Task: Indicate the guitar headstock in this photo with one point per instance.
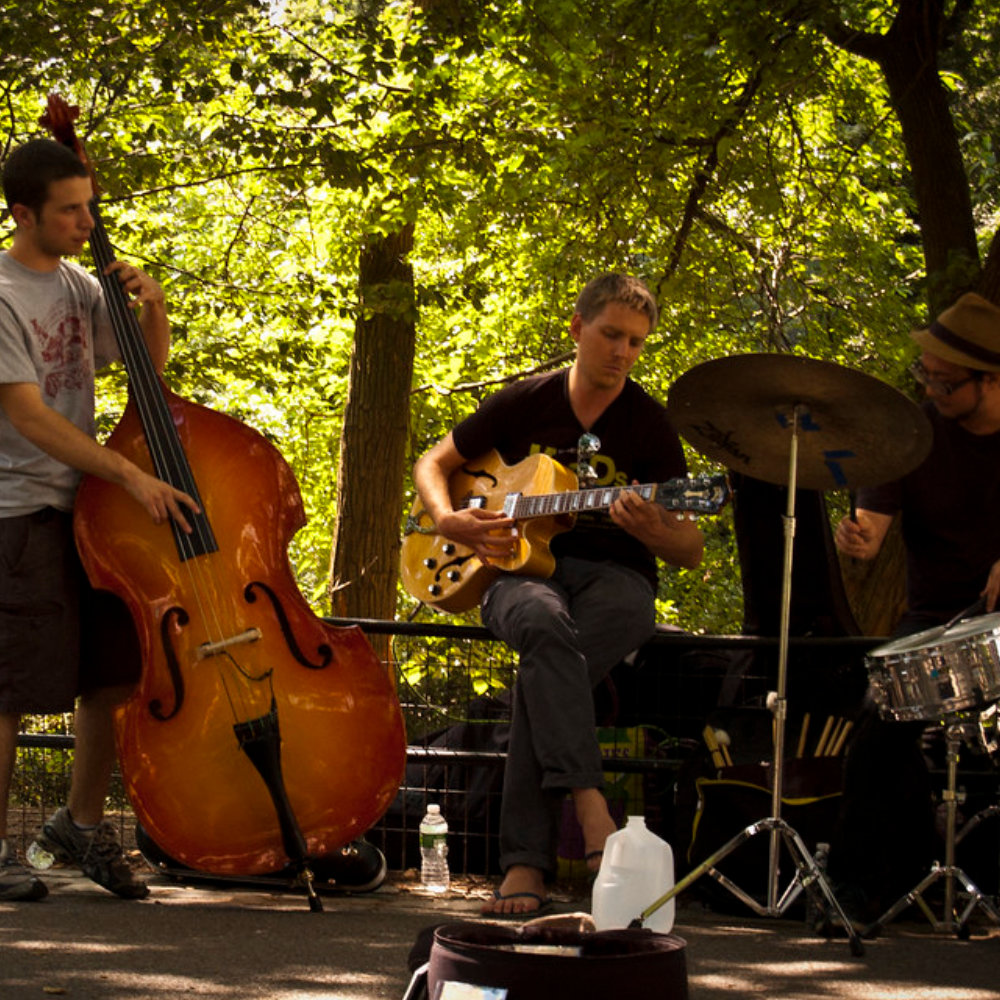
(697, 495)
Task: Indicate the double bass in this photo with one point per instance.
(259, 735)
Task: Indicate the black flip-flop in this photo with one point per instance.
(544, 905)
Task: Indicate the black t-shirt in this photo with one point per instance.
(950, 521)
(638, 443)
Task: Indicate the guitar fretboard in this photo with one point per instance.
(521, 507)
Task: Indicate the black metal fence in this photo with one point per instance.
(453, 683)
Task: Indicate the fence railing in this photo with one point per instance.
(453, 683)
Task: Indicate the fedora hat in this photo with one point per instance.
(967, 334)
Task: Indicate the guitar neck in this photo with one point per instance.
(522, 508)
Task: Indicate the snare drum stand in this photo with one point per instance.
(951, 920)
(808, 875)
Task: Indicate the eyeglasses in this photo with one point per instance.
(939, 386)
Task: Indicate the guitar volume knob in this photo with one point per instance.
(449, 549)
(430, 563)
(453, 576)
(434, 590)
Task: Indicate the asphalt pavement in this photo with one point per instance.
(235, 943)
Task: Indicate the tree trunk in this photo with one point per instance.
(907, 54)
(365, 558)
(989, 281)
(909, 61)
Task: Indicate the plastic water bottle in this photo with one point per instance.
(434, 875)
(38, 857)
(636, 870)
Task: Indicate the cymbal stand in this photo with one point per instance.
(952, 920)
(808, 875)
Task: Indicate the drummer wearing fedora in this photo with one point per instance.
(947, 507)
(948, 504)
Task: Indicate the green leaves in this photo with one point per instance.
(753, 173)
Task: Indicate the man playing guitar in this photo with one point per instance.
(570, 628)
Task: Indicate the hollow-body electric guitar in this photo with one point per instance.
(544, 498)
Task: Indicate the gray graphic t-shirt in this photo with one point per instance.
(55, 332)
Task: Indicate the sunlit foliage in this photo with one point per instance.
(751, 171)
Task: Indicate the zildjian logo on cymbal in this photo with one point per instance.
(723, 439)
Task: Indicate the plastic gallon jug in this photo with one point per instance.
(636, 870)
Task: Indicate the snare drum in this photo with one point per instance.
(939, 672)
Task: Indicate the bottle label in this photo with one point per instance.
(432, 840)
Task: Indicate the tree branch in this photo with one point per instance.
(554, 362)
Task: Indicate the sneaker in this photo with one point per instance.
(98, 852)
(17, 881)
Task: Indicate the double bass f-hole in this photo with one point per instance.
(324, 651)
(178, 618)
(239, 751)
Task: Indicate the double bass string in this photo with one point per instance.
(169, 459)
(162, 440)
(144, 384)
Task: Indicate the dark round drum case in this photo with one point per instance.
(538, 962)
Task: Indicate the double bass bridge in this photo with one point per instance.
(207, 649)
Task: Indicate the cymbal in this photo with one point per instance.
(853, 429)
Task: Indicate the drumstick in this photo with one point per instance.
(970, 612)
(713, 746)
(818, 752)
(840, 739)
(834, 736)
(722, 738)
(802, 736)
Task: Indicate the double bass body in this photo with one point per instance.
(227, 641)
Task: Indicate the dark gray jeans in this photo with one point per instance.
(568, 630)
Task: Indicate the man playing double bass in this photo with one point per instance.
(948, 508)
(59, 640)
(569, 629)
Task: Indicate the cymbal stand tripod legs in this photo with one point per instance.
(951, 920)
(808, 875)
